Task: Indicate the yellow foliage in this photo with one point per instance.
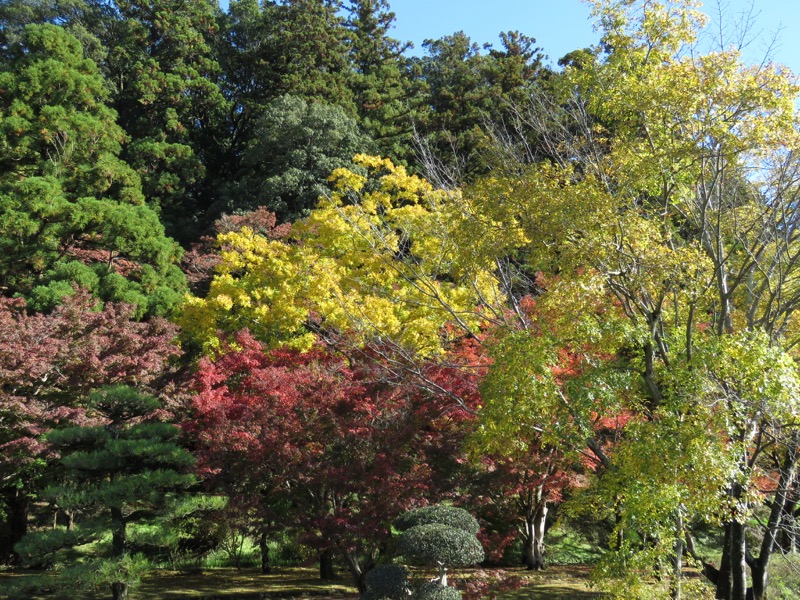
(373, 261)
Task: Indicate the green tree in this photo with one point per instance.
(313, 61)
(387, 97)
(71, 211)
(467, 90)
(296, 145)
(166, 90)
(686, 221)
(126, 469)
(270, 51)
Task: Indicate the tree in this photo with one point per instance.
(71, 211)
(313, 61)
(467, 90)
(168, 96)
(317, 444)
(686, 222)
(387, 97)
(438, 535)
(48, 365)
(376, 260)
(124, 469)
(296, 144)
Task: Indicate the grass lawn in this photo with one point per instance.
(556, 582)
(568, 582)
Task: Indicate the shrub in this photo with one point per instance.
(433, 590)
(440, 514)
(387, 582)
(437, 544)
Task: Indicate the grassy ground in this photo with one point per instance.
(248, 583)
(557, 583)
(567, 582)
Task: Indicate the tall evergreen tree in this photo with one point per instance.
(469, 89)
(71, 211)
(167, 93)
(313, 59)
(387, 97)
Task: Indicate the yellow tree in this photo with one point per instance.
(675, 193)
(376, 263)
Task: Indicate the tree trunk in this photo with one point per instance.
(533, 542)
(442, 575)
(358, 571)
(266, 568)
(781, 502)
(677, 564)
(326, 565)
(738, 558)
(119, 590)
(118, 537)
(787, 539)
(724, 582)
(16, 523)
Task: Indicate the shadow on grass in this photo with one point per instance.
(556, 583)
(247, 584)
(571, 582)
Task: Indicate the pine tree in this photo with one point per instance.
(128, 468)
(387, 97)
(71, 210)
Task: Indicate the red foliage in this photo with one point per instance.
(50, 362)
(77, 348)
(316, 442)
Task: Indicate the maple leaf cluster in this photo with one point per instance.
(318, 432)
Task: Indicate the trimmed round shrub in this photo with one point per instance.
(387, 582)
(440, 514)
(439, 544)
(433, 590)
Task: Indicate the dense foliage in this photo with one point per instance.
(458, 279)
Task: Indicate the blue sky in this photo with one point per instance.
(560, 26)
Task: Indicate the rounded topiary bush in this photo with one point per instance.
(439, 544)
(440, 514)
(433, 590)
(387, 582)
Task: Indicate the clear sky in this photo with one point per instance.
(560, 26)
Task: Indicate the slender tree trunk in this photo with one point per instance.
(118, 537)
(534, 535)
(738, 561)
(759, 568)
(357, 570)
(263, 546)
(119, 590)
(326, 565)
(724, 581)
(787, 539)
(677, 564)
(442, 575)
(16, 523)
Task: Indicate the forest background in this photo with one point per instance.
(268, 275)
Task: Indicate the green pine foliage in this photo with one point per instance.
(71, 210)
(128, 469)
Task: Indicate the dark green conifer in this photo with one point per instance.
(129, 468)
